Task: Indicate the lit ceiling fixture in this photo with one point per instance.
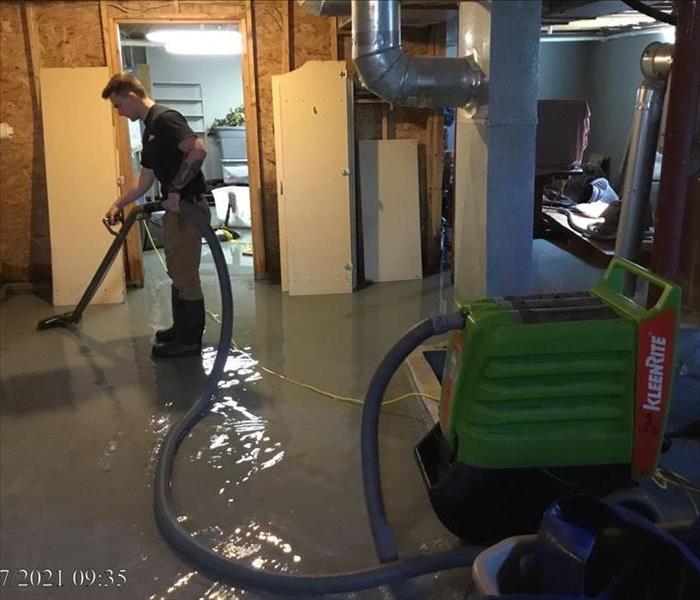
(200, 41)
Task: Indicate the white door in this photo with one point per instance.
(81, 180)
(315, 145)
(390, 209)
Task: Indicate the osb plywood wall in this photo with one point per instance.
(53, 33)
(24, 245)
(316, 37)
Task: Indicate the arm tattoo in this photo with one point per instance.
(188, 169)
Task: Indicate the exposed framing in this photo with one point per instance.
(334, 38)
(435, 162)
(288, 36)
(110, 24)
(28, 10)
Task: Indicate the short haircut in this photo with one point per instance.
(123, 83)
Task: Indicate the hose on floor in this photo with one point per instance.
(381, 532)
(212, 564)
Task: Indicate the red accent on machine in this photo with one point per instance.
(654, 374)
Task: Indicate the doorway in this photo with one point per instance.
(199, 69)
(195, 69)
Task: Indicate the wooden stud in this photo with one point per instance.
(34, 54)
(288, 36)
(434, 165)
(435, 157)
(385, 121)
(334, 38)
(133, 251)
(143, 74)
(427, 238)
(346, 41)
(104, 25)
(250, 95)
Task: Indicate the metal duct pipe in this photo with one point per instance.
(641, 152)
(327, 8)
(405, 80)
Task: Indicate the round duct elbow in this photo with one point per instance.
(404, 80)
(426, 82)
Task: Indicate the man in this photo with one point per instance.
(173, 154)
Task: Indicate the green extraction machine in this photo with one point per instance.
(550, 394)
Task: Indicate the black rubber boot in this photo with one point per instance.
(170, 334)
(190, 327)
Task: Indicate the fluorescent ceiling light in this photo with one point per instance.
(200, 41)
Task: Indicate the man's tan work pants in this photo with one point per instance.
(183, 250)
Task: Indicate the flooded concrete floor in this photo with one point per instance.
(271, 477)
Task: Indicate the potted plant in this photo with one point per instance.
(230, 130)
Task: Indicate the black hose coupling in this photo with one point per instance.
(444, 323)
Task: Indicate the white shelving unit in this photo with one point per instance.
(185, 98)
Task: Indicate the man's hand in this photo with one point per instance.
(172, 202)
(114, 214)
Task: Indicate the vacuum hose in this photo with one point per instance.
(228, 572)
(381, 532)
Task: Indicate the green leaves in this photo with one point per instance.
(234, 118)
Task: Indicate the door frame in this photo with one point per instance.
(110, 25)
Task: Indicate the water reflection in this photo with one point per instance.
(158, 426)
(236, 442)
(254, 545)
(238, 438)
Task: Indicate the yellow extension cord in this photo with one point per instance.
(307, 386)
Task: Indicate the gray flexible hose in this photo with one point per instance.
(414, 337)
(219, 568)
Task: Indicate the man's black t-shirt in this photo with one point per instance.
(165, 129)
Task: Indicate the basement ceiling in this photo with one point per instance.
(560, 18)
(604, 18)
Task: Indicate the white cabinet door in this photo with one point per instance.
(81, 180)
(314, 151)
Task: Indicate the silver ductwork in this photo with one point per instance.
(656, 62)
(327, 8)
(387, 71)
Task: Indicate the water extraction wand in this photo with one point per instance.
(72, 317)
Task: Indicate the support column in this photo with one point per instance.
(495, 151)
(683, 103)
